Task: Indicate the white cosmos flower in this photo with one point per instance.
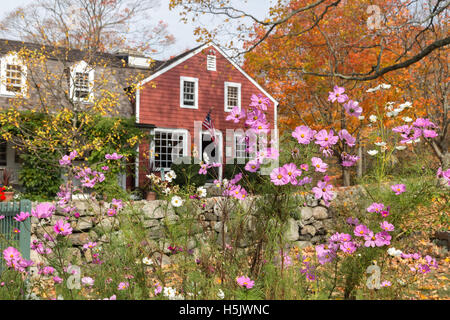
(147, 261)
(221, 294)
(176, 201)
(361, 117)
(372, 152)
(400, 147)
(417, 140)
(378, 87)
(201, 192)
(380, 144)
(166, 190)
(385, 86)
(373, 118)
(394, 252)
(407, 104)
(407, 119)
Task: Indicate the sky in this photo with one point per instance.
(184, 37)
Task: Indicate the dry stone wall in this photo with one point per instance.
(307, 225)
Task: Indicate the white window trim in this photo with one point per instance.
(152, 145)
(82, 67)
(14, 60)
(195, 80)
(231, 84)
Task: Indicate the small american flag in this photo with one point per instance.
(208, 125)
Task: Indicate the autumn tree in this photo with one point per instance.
(67, 78)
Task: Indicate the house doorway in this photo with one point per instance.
(212, 153)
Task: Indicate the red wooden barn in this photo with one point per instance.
(181, 92)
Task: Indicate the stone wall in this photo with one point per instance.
(307, 225)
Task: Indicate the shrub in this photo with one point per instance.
(187, 172)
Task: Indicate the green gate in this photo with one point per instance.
(8, 238)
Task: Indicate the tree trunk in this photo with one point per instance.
(346, 177)
(359, 171)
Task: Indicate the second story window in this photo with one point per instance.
(13, 76)
(81, 82)
(232, 95)
(189, 92)
(81, 85)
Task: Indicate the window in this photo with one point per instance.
(232, 96)
(13, 76)
(189, 92)
(240, 146)
(3, 153)
(81, 85)
(167, 144)
(81, 82)
(211, 63)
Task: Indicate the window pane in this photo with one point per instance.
(165, 144)
(188, 93)
(13, 78)
(81, 83)
(2, 153)
(232, 96)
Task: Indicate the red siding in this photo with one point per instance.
(160, 98)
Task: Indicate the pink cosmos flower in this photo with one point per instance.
(375, 207)
(337, 94)
(236, 178)
(344, 135)
(424, 123)
(404, 129)
(46, 270)
(323, 190)
(325, 139)
(254, 117)
(292, 171)
(259, 101)
(279, 176)
(235, 115)
(21, 216)
(245, 282)
(57, 279)
(123, 285)
(111, 212)
(361, 230)
(348, 247)
(411, 135)
(89, 245)
(62, 228)
(348, 160)
(318, 164)
(304, 181)
(445, 174)
(352, 221)
(203, 168)
(117, 204)
(65, 161)
(429, 133)
(303, 134)
(158, 289)
(344, 237)
(370, 240)
(352, 108)
(11, 254)
(260, 127)
(398, 188)
(386, 226)
(43, 210)
(385, 213)
(105, 168)
(304, 167)
(113, 156)
(382, 238)
(386, 283)
(324, 254)
(252, 166)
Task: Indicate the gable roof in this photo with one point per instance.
(69, 55)
(169, 64)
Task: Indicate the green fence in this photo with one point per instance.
(8, 238)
